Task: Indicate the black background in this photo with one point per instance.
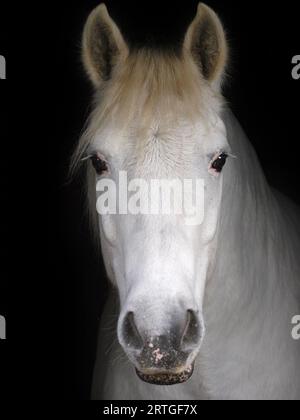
(53, 95)
(4, 189)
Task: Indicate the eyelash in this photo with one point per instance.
(218, 162)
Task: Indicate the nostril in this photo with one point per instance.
(192, 334)
(131, 335)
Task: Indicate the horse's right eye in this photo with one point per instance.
(218, 163)
(99, 164)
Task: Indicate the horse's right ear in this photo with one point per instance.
(103, 45)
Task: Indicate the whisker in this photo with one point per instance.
(86, 158)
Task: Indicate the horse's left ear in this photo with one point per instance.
(205, 40)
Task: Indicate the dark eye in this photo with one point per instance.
(218, 163)
(99, 164)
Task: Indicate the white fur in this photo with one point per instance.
(242, 269)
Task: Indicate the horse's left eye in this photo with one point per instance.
(99, 164)
(219, 162)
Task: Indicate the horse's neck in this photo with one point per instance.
(255, 228)
(255, 270)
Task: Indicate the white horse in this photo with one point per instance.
(208, 308)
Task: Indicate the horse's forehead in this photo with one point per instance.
(166, 136)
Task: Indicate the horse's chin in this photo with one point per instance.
(167, 378)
